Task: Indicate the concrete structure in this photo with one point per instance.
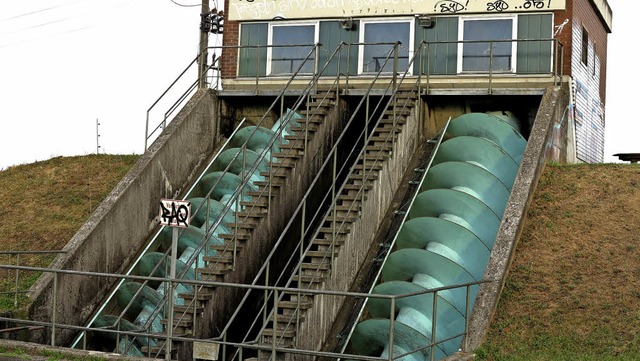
(545, 64)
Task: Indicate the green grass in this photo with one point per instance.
(49, 201)
(572, 289)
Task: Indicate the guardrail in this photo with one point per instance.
(16, 291)
(423, 68)
(124, 337)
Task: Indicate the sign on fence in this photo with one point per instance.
(175, 213)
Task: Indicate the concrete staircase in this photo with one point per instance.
(324, 250)
(216, 268)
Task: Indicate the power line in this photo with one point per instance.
(184, 5)
(40, 11)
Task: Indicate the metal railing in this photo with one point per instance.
(153, 126)
(551, 58)
(309, 226)
(126, 337)
(238, 194)
(16, 279)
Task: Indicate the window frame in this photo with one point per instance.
(514, 43)
(411, 21)
(584, 47)
(316, 37)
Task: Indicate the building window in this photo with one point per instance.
(585, 47)
(487, 44)
(378, 37)
(594, 59)
(285, 59)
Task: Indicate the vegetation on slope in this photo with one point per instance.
(45, 203)
(573, 290)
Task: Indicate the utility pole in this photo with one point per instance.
(97, 137)
(204, 45)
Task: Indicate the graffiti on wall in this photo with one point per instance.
(589, 109)
(301, 9)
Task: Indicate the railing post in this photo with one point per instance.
(466, 320)
(364, 154)
(346, 85)
(258, 68)
(434, 315)
(333, 208)
(338, 71)
(275, 324)
(316, 60)
(172, 276)
(392, 320)
(395, 64)
(15, 295)
(491, 67)
(55, 308)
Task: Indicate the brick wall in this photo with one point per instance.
(230, 38)
(585, 15)
(565, 35)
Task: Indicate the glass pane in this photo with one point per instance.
(374, 56)
(478, 56)
(287, 60)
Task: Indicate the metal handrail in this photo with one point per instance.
(556, 58)
(239, 192)
(17, 254)
(163, 123)
(300, 207)
(54, 325)
(366, 177)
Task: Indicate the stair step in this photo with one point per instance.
(258, 213)
(178, 323)
(400, 110)
(241, 236)
(388, 128)
(288, 156)
(321, 256)
(203, 297)
(188, 310)
(319, 112)
(288, 332)
(321, 102)
(284, 164)
(387, 138)
(310, 128)
(357, 187)
(370, 165)
(303, 305)
(312, 267)
(359, 175)
(338, 230)
(297, 144)
(384, 147)
(220, 269)
(258, 202)
(375, 156)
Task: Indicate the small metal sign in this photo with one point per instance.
(205, 350)
(175, 213)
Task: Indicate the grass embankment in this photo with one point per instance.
(45, 203)
(573, 290)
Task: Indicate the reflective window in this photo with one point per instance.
(286, 59)
(494, 54)
(374, 54)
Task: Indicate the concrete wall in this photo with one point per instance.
(115, 233)
(552, 108)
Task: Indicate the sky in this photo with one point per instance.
(78, 76)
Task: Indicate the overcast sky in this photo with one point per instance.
(65, 64)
